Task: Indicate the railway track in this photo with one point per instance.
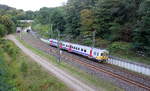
(106, 71)
(113, 74)
(116, 72)
(102, 69)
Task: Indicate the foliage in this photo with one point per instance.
(113, 21)
(9, 17)
(9, 47)
(3, 31)
(141, 38)
(50, 20)
(42, 29)
(102, 43)
(23, 67)
(6, 83)
(8, 23)
(120, 47)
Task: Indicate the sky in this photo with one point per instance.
(32, 4)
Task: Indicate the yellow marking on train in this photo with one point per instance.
(102, 58)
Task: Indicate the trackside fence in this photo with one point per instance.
(133, 66)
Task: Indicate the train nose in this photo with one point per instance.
(102, 58)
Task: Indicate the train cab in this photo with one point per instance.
(101, 55)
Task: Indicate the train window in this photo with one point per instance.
(84, 50)
(76, 48)
(101, 54)
(97, 54)
(81, 49)
(94, 53)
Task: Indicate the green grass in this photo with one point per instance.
(99, 83)
(36, 79)
(26, 75)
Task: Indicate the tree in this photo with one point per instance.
(57, 19)
(9, 24)
(87, 20)
(141, 39)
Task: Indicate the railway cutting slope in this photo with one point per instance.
(72, 82)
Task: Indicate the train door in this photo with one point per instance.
(51, 42)
(94, 53)
(70, 48)
(60, 46)
(90, 53)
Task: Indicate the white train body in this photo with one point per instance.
(95, 53)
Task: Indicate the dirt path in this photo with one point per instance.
(72, 82)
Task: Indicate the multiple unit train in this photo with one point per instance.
(100, 55)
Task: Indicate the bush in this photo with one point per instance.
(3, 30)
(102, 43)
(23, 67)
(8, 23)
(5, 84)
(120, 47)
(9, 47)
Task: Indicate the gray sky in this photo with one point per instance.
(32, 4)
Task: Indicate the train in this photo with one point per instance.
(99, 55)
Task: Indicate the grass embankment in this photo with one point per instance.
(99, 83)
(19, 73)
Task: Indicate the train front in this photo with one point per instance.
(103, 55)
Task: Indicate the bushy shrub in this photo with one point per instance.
(87, 42)
(3, 30)
(23, 67)
(9, 47)
(120, 47)
(5, 84)
(102, 43)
